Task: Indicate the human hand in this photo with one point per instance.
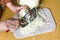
(9, 25)
(12, 24)
(14, 8)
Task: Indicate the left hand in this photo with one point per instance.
(10, 24)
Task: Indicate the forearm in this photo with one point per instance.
(10, 5)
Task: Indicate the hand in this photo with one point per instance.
(9, 25)
(12, 24)
(15, 9)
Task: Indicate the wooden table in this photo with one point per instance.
(54, 5)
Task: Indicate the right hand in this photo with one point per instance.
(14, 8)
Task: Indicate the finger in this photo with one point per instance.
(20, 8)
(10, 25)
(14, 22)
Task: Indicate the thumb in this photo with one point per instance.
(20, 8)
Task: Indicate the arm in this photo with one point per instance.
(12, 7)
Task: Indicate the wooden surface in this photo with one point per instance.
(54, 6)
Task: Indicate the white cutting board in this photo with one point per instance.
(46, 28)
